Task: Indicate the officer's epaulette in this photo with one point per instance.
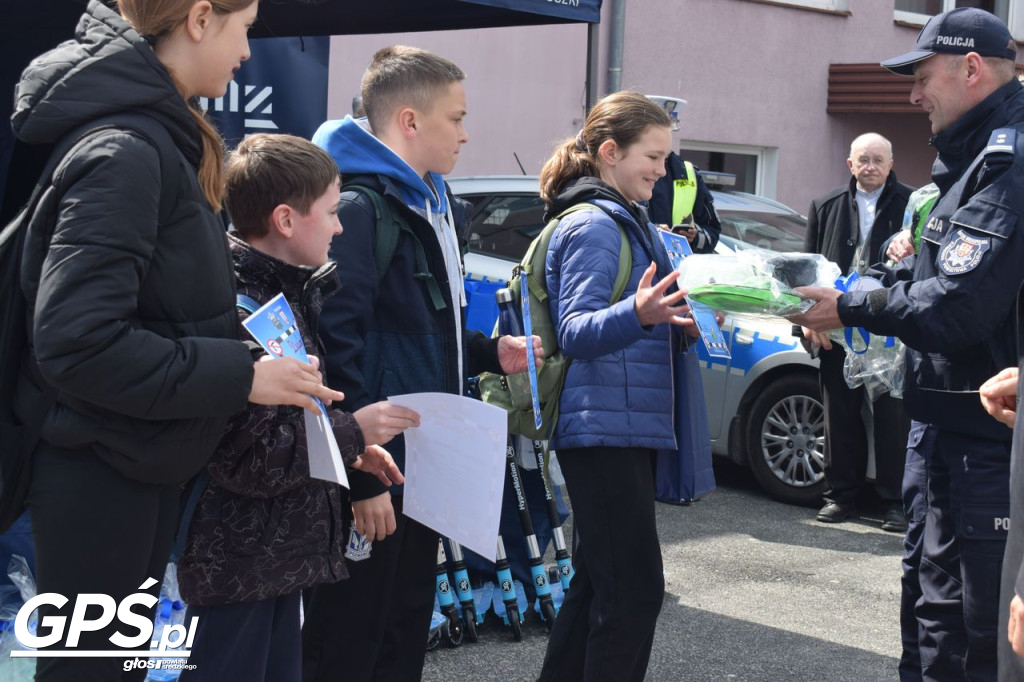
(1001, 142)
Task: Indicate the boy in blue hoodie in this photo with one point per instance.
(399, 330)
(263, 530)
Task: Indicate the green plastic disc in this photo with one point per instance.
(741, 299)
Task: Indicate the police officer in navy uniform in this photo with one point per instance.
(952, 304)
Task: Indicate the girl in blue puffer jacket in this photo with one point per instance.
(616, 406)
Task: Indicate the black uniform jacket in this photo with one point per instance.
(953, 302)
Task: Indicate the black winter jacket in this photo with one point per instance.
(132, 321)
(833, 225)
(263, 528)
(388, 339)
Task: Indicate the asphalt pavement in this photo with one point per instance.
(756, 591)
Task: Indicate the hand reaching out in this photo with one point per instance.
(999, 398)
(653, 306)
(287, 381)
(382, 421)
(901, 246)
(377, 461)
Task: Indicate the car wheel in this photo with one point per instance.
(785, 439)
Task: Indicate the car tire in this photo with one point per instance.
(785, 439)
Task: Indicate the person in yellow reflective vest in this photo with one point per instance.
(682, 202)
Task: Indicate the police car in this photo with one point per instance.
(764, 405)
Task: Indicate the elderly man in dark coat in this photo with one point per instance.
(848, 226)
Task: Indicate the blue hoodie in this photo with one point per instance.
(382, 333)
(357, 152)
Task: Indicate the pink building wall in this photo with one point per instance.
(757, 74)
(753, 74)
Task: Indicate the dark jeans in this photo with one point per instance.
(374, 625)
(256, 641)
(605, 628)
(846, 445)
(96, 532)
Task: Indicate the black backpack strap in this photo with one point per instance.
(389, 224)
(195, 492)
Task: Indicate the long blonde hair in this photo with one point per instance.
(622, 117)
(156, 19)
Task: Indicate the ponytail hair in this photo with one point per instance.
(622, 117)
(156, 19)
(211, 166)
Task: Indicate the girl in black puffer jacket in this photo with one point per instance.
(132, 304)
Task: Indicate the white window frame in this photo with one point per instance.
(1014, 20)
(823, 5)
(766, 179)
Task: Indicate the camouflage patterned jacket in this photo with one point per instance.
(263, 528)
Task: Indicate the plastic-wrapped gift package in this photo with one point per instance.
(755, 282)
(875, 362)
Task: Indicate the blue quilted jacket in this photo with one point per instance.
(618, 390)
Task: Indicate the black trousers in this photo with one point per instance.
(846, 445)
(605, 628)
(374, 625)
(96, 532)
(256, 641)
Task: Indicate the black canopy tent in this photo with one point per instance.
(29, 28)
(344, 17)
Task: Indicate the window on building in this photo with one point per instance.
(753, 171)
(919, 11)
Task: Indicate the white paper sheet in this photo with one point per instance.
(455, 467)
(325, 461)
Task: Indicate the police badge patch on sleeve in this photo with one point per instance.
(962, 253)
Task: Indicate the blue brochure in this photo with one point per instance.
(710, 333)
(531, 361)
(273, 326)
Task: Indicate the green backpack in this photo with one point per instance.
(512, 393)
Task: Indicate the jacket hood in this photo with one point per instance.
(590, 188)
(358, 152)
(107, 68)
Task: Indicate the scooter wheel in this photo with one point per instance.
(452, 631)
(469, 623)
(547, 612)
(515, 623)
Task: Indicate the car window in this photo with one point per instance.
(775, 231)
(504, 226)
